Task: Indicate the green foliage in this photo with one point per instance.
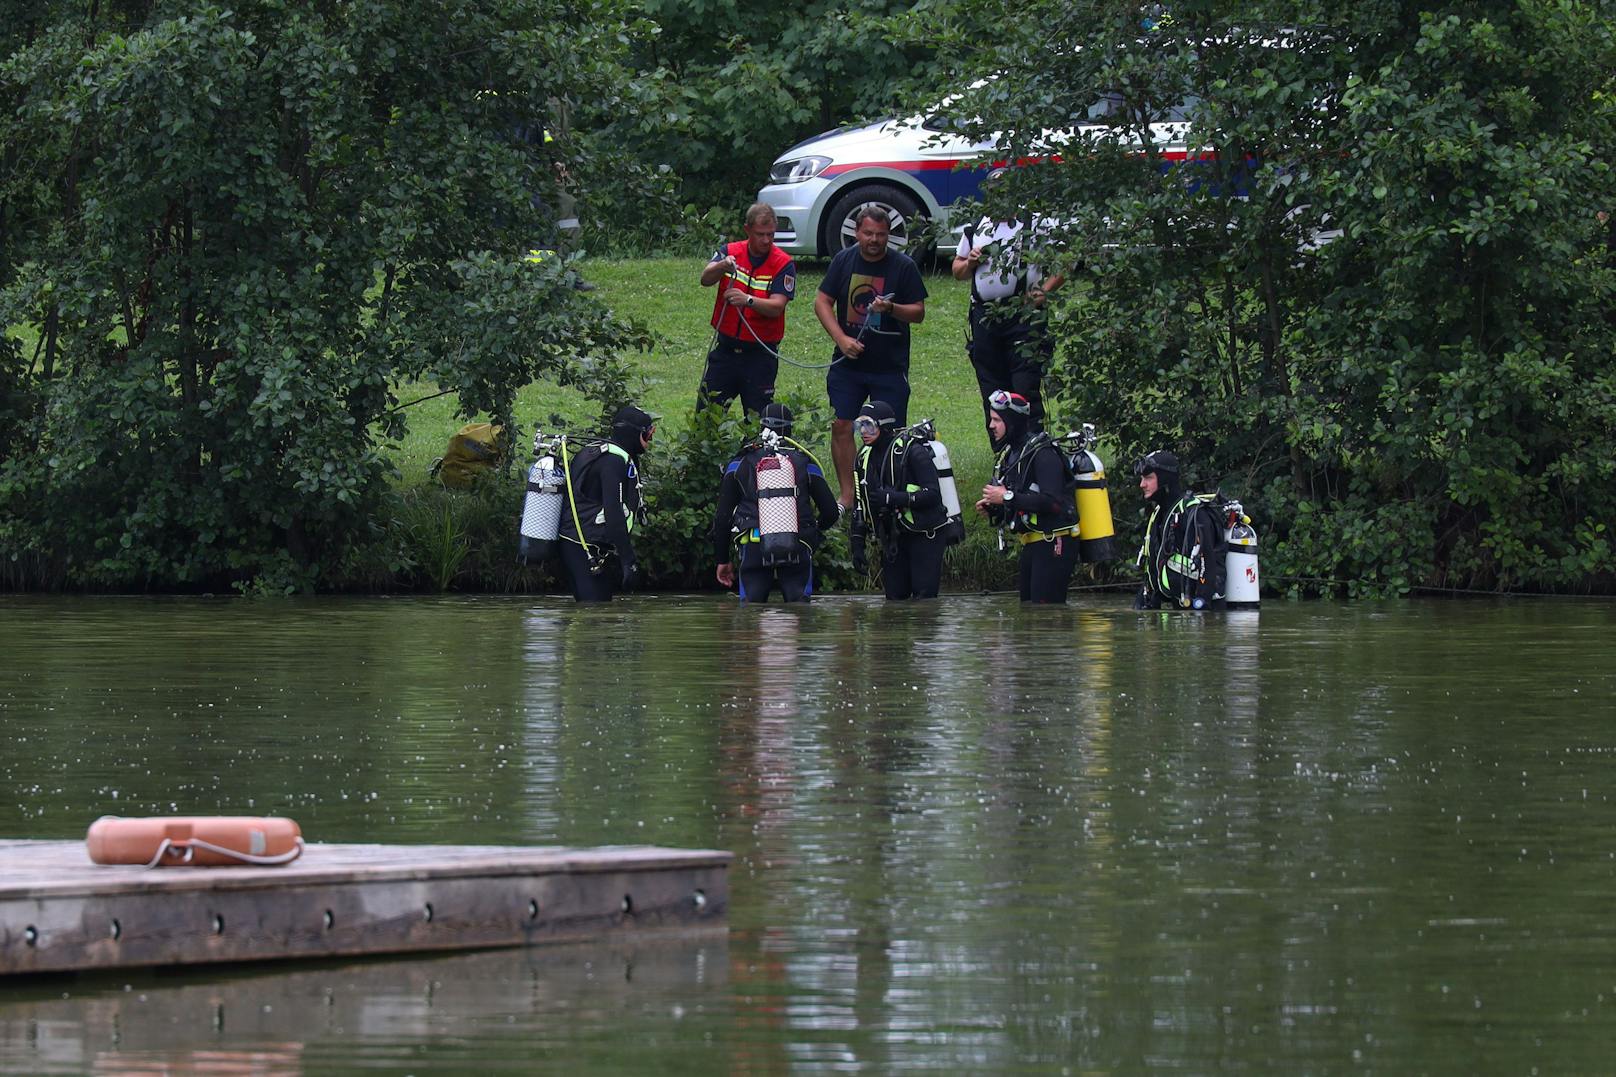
(1426, 401)
(451, 540)
(235, 230)
(733, 83)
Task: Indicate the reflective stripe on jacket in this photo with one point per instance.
(754, 282)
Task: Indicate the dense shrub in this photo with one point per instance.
(1427, 401)
(235, 230)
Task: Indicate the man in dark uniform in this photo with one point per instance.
(1008, 339)
(604, 507)
(755, 281)
(766, 504)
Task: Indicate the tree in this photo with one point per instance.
(1427, 400)
(740, 81)
(235, 230)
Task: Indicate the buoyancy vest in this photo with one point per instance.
(754, 282)
(1183, 555)
(589, 495)
(748, 510)
(1015, 472)
(897, 469)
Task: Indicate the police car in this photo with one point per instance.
(910, 168)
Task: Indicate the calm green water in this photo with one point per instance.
(970, 838)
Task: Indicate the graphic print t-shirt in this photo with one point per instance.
(853, 284)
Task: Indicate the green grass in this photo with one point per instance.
(664, 294)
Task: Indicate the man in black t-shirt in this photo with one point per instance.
(869, 298)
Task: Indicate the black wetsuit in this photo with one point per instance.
(1042, 514)
(605, 496)
(901, 501)
(1183, 555)
(737, 517)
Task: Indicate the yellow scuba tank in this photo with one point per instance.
(1095, 530)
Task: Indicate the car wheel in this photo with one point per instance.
(841, 226)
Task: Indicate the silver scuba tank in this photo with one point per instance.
(546, 494)
(1242, 582)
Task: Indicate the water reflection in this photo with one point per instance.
(968, 836)
(480, 1008)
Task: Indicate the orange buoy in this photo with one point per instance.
(196, 841)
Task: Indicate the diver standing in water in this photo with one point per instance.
(900, 499)
(603, 508)
(766, 502)
(1185, 545)
(1033, 493)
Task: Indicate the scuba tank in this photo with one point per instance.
(546, 491)
(777, 504)
(1095, 530)
(954, 529)
(1241, 585)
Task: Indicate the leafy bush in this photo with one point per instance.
(719, 100)
(236, 229)
(1427, 401)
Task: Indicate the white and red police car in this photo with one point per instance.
(910, 168)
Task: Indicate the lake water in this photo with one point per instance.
(969, 837)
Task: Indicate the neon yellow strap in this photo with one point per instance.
(572, 502)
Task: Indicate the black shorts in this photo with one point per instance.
(736, 369)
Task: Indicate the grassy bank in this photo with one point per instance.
(664, 294)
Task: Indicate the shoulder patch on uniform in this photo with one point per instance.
(734, 466)
(790, 285)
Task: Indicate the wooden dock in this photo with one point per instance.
(59, 912)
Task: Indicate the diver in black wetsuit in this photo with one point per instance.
(1033, 493)
(900, 500)
(781, 549)
(603, 495)
(1184, 550)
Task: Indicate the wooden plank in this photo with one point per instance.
(58, 912)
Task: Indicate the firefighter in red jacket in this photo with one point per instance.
(755, 281)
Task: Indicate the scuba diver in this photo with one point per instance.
(603, 508)
(766, 501)
(1185, 543)
(900, 500)
(1033, 493)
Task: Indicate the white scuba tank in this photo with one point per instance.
(1242, 582)
(953, 529)
(541, 511)
(777, 507)
(945, 478)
